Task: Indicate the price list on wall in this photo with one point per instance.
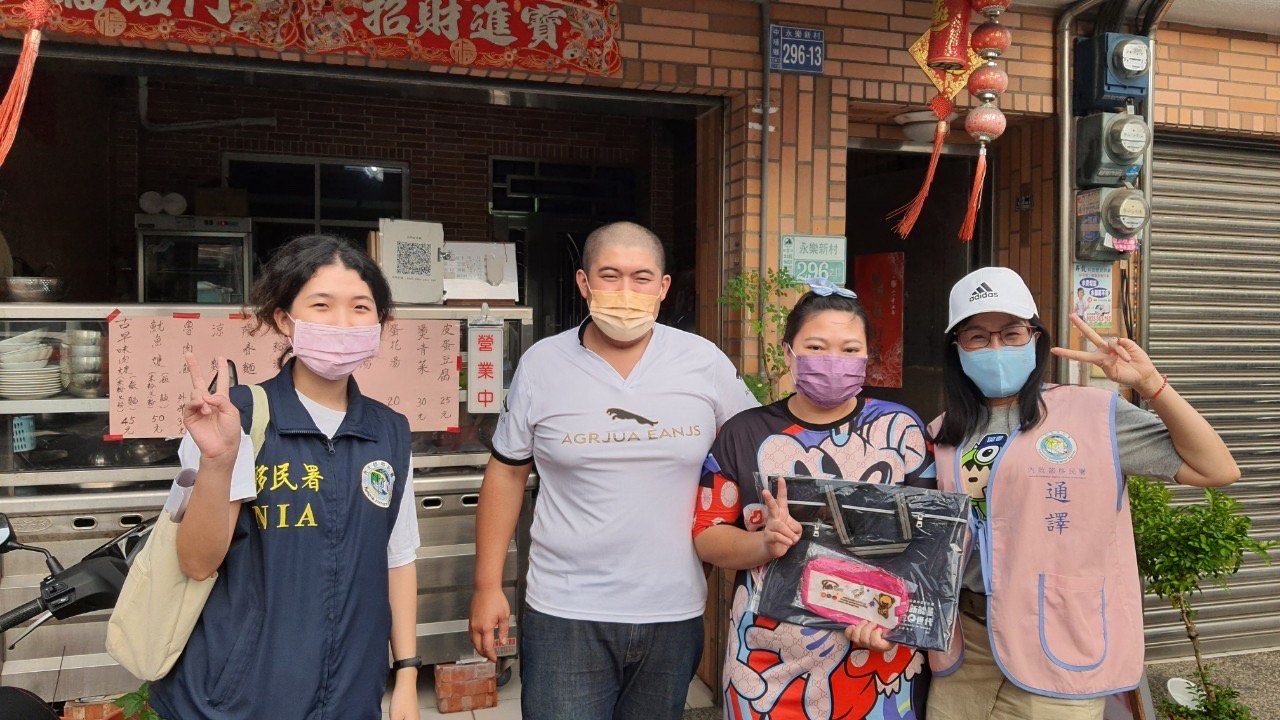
(415, 372)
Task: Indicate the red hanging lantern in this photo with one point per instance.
(986, 122)
(988, 82)
(991, 39)
(991, 8)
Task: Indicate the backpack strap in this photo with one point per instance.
(261, 417)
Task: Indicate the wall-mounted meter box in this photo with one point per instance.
(1111, 69)
(1108, 221)
(1109, 149)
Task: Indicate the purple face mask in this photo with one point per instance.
(828, 380)
(334, 352)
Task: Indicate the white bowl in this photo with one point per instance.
(84, 364)
(40, 352)
(31, 337)
(85, 380)
(84, 337)
(82, 351)
(31, 365)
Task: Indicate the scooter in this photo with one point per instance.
(92, 584)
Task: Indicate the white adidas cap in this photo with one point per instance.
(990, 289)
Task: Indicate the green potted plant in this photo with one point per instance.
(1180, 547)
(135, 704)
(764, 303)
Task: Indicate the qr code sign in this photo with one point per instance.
(413, 258)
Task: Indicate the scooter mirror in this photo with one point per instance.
(8, 541)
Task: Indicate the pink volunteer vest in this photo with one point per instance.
(1065, 605)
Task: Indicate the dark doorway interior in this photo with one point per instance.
(880, 182)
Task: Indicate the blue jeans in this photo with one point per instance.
(586, 670)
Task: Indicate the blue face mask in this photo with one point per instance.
(1000, 372)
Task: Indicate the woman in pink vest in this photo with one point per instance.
(1051, 610)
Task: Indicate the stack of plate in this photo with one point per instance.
(25, 371)
(31, 384)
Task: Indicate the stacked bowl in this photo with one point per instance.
(82, 358)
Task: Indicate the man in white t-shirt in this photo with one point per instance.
(618, 414)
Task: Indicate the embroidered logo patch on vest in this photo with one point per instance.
(1057, 447)
(376, 480)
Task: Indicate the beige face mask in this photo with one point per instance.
(623, 315)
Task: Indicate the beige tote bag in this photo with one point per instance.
(159, 605)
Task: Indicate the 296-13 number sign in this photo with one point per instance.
(793, 49)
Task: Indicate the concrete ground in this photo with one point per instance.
(509, 700)
(1255, 675)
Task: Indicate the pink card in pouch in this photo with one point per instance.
(846, 591)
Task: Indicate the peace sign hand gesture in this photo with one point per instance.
(781, 531)
(1123, 360)
(211, 419)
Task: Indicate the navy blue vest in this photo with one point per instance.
(298, 624)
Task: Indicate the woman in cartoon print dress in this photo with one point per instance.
(777, 670)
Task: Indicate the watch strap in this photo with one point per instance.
(413, 662)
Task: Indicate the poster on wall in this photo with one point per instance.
(878, 281)
(1091, 296)
(415, 372)
(551, 36)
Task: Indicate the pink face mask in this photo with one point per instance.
(334, 352)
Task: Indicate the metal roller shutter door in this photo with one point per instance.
(1215, 330)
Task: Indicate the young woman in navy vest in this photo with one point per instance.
(1051, 610)
(314, 553)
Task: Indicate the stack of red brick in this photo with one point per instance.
(92, 711)
(466, 686)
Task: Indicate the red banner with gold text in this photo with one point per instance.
(546, 36)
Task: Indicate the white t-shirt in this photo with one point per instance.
(402, 547)
(619, 463)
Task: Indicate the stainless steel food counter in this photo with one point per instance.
(58, 497)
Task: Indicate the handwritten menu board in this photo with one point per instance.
(415, 372)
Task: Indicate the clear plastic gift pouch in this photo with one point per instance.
(888, 554)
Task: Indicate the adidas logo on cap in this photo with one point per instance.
(982, 292)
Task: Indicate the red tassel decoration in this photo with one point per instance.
(975, 197)
(15, 98)
(942, 107)
(948, 50)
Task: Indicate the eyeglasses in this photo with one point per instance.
(977, 338)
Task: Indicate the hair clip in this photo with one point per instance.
(824, 287)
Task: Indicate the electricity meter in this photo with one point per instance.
(1111, 70)
(1108, 221)
(1110, 148)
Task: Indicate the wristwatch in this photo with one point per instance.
(409, 662)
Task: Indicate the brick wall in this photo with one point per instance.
(447, 146)
(1215, 80)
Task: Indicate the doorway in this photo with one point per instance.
(933, 259)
